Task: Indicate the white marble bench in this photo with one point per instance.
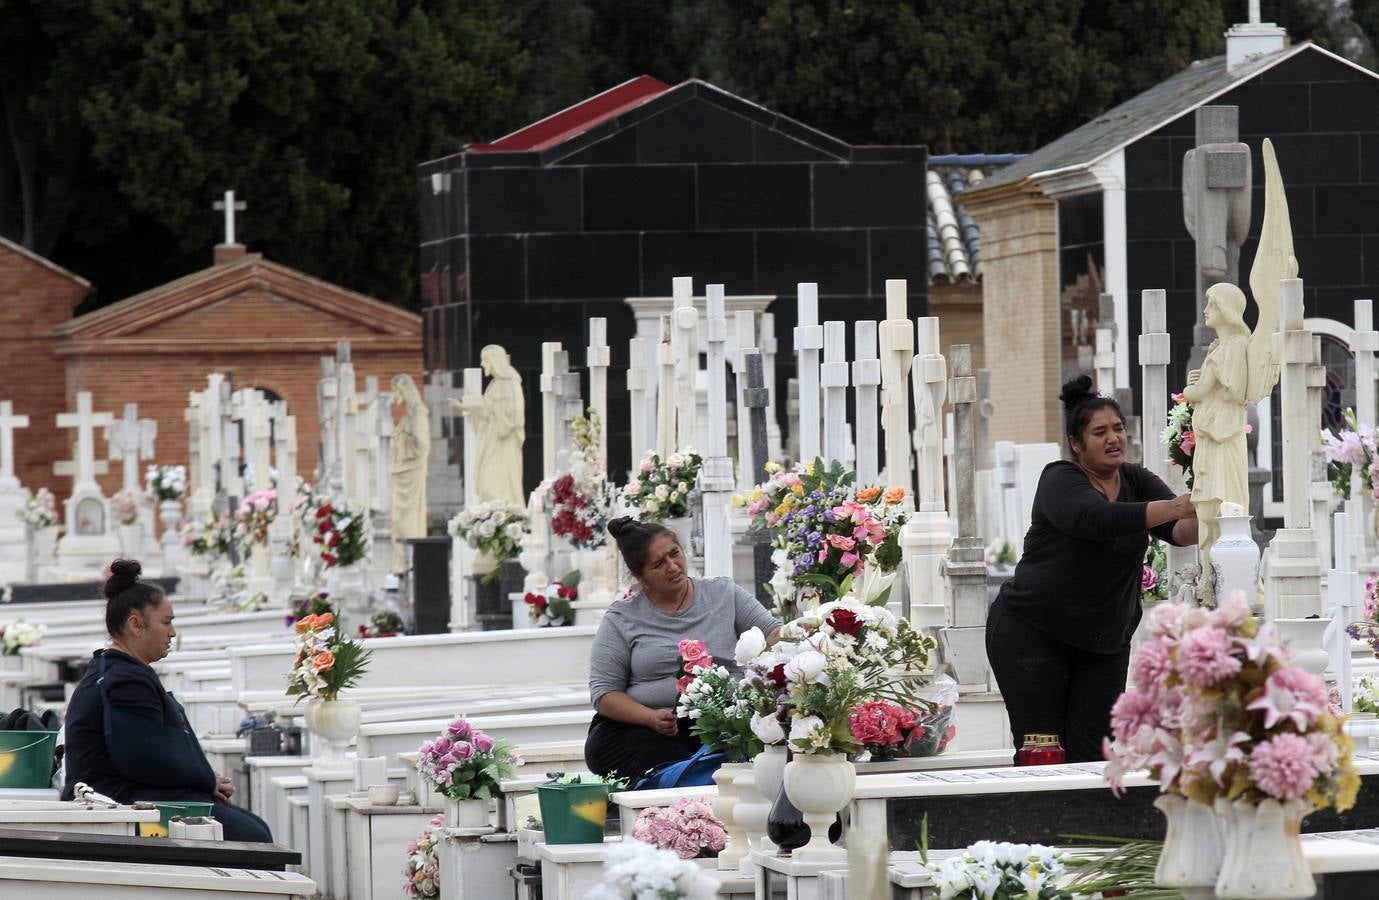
(391, 738)
(58, 815)
(48, 879)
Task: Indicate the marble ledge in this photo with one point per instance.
(566, 854)
(362, 806)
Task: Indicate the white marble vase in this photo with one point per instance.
(751, 812)
(333, 724)
(466, 813)
(820, 785)
(1192, 850)
(724, 806)
(174, 553)
(683, 527)
(768, 769)
(45, 545)
(131, 539)
(1263, 857)
(1234, 559)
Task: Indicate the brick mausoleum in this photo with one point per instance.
(265, 323)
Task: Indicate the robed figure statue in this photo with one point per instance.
(499, 419)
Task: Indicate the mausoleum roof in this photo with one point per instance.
(953, 240)
(1195, 86)
(43, 262)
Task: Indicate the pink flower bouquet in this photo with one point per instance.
(1217, 711)
(688, 827)
(422, 869)
(464, 763)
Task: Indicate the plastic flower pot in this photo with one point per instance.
(26, 758)
(573, 813)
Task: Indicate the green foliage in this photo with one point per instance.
(1124, 868)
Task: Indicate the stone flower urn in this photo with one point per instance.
(333, 724)
(820, 784)
(1263, 856)
(1191, 856)
(466, 813)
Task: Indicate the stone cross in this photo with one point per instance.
(1155, 355)
(9, 422)
(366, 443)
(327, 388)
(1293, 586)
(964, 641)
(769, 348)
(570, 405)
(833, 378)
(129, 440)
(1364, 341)
(792, 417)
(230, 206)
(1319, 490)
(259, 439)
(809, 340)
(897, 335)
(1216, 207)
(716, 474)
(84, 467)
(473, 387)
(665, 392)
(925, 538)
(744, 338)
(347, 406)
(866, 381)
(755, 398)
(638, 391)
(686, 352)
(285, 458)
(232, 455)
(462, 586)
(988, 502)
(548, 404)
(597, 357)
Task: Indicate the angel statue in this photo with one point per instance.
(1239, 368)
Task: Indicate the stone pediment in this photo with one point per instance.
(247, 303)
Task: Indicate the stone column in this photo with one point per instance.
(809, 340)
(866, 381)
(833, 378)
(716, 475)
(1294, 565)
(964, 640)
(1363, 343)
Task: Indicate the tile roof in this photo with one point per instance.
(954, 243)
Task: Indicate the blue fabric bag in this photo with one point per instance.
(696, 771)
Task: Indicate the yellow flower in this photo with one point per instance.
(783, 509)
(809, 469)
(772, 467)
(798, 490)
(755, 495)
(737, 501)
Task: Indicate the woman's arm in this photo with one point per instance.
(1185, 532)
(619, 707)
(1161, 512)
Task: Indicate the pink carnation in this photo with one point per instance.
(1132, 711)
(1282, 768)
(881, 723)
(1204, 657)
(1151, 665)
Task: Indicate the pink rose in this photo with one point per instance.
(462, 751)
(482, 742)
(1149, 579)
(690, 649)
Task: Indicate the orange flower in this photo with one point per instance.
(323, 660)
(867, 495)
(325, 619)
(305, 624)
(894, 495)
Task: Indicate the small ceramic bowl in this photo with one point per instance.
(383, 794)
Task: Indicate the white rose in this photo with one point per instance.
(634, 489)
(662, 491)
(647, 465)
(682, 487)
(749, 645)
(807, 668)
(767, 729)
(650, 507)
(804, 732)
(676, 460)
(515, 531)
(674, 496)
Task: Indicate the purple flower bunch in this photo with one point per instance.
(464, 763)
(803, 524)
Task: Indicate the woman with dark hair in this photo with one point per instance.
(632, 667)
(1058, 635)
(126, 736)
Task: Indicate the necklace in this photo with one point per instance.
(685, 596)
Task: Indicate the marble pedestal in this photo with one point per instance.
(377, 838)
(474, 862)
(322, 782)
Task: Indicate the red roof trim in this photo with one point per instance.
(572, 120)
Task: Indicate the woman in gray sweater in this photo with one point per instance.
(632, 667)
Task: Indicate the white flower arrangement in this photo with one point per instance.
(659, 489)
(1000, 871)
(39, 510)
(494, 528)
(165, 483)
(17, 635)
(633, 870)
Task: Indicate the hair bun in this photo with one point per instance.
(621, 526)
(124, 573)
(1079, 390)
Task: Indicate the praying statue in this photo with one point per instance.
(499, 419)
(408, 455)
(1239, 368)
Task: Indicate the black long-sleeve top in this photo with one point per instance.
(151, 754)
(1079, 577)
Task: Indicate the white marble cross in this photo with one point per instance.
(348, 410)
(665, 391)
(744, 342)
(84, 467)
(9, 422)
(230, 206)
(833, 378)
(809, 340)
(638, 387)
(548, 410)
(597, 358)
(768, 361)
(866, 379)
(686, 348)
(366, 442)
(716, 475)
(1154, 360)
(473, 396)
(897, 336)
(129, 440)
(285, 458)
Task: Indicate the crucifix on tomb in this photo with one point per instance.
(89, 542)
(130, 439)
(9, 422)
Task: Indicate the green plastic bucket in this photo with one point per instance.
(166, 810)
(26, 758)
(573, 813)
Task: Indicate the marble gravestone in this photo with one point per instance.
(14, 543)
(89, 540)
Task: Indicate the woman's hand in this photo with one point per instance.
(224, 790)
(663, 721)
(1161, 512)
(1183, 508)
